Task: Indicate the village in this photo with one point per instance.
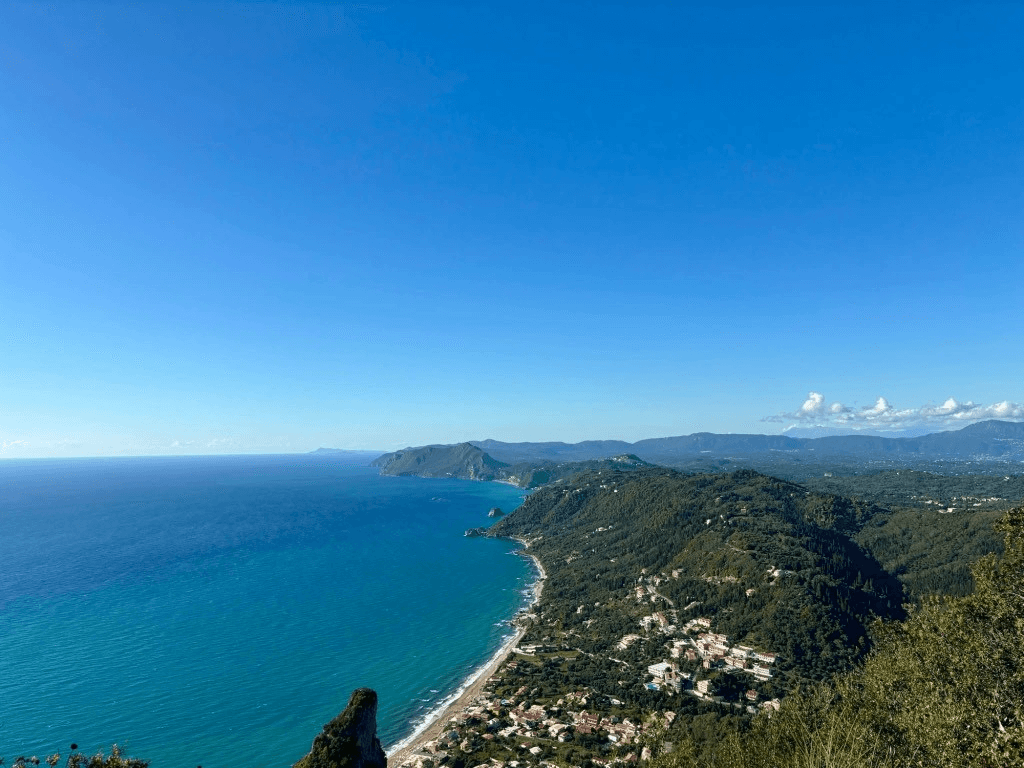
(713, 651)
(520, 728)
(699, 646)
(530, 733)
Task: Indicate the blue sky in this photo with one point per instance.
(275, 226)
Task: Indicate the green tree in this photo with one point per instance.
(943, 688)
(77, 759)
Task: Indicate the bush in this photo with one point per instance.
(76, 759)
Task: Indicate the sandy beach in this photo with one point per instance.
(434, 727)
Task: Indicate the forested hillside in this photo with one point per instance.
(945, 688)
(662, 587)
(770, 563)
(931, 552)
(917, 488)
(933, 526)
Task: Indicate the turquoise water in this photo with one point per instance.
(217, 611)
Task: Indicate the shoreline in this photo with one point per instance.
(463, 697)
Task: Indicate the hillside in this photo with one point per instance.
(911, 488)
(768, 562)
(533, 474)
(553, 451)
(678, 606)
(932, 527)
(944, 688)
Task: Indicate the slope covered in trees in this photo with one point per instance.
(929, 551)
(786, 571)
(944, 688)
(916, 488)
(771, 564)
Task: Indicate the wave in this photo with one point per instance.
(421, 724)
(508, 642)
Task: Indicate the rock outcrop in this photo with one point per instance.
(349, 740)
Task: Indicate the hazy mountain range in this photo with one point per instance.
(989, 439)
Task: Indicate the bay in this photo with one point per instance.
(217, 611)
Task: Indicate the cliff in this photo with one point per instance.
(349, 740)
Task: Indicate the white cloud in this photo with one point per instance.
(813, 405)
(883, 415)
(814, 409)
(7, 445)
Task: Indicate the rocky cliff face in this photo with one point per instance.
(349, 740)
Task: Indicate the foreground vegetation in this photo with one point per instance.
(943, 688)
(701, 574)
(77, 759)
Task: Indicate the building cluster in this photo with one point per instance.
(619, 731)
(967, 501)
(712, 649)
(490, 718)
(530, 733)
(666, 676)
(658, 619)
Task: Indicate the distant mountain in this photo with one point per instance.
(986, 438)
(1001, 440)
(989, 439)
(531, 465)
(661, 448)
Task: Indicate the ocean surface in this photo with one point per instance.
(217, 611)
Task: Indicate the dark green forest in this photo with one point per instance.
(718, 541)
(827, 582)
(943, 688)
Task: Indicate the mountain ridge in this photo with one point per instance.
(1000, 441)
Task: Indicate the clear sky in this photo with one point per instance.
(275, 226)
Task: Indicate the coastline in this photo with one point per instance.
(431, 728)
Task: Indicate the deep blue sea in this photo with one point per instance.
(217, 611)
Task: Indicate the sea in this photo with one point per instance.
(217, 611)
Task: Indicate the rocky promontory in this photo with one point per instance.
(349, 740)
(463, 461)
